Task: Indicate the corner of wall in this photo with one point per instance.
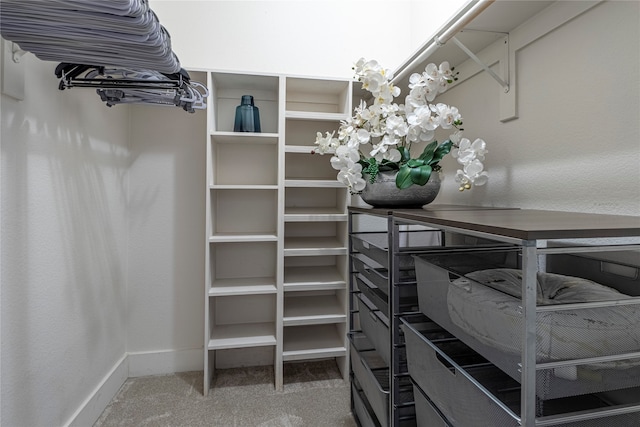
(91, 409)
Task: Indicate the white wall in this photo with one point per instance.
(307, 37)
(165, 302)
(65, 158)
(167, 175)
(576, 143)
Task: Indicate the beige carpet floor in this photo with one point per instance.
(314, 395)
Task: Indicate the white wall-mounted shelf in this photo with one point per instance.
(242, 237)
(307, 246)
(313, 278)
(243, 286)
(312, 215)
(223, 137)
(304, 115)
(242, 336)
(313, 183)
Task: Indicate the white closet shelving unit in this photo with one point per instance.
(242, 294)
(276, 270)
(314, 222)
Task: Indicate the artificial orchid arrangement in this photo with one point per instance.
(379, 137)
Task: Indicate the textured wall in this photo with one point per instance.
(576, 143)
(165, 304)
(64, 180)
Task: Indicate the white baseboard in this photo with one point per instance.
(134, 365)
(165, 362)
(98, 400)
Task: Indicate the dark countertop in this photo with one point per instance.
(527, 224)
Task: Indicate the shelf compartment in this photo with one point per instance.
(241, 265)
(313, 342)
(242, 321)
(302, 132)
(304, 166)
(313, 95)
(315, 204)
(314, 273)
(238, 159)
(315, 238)
(227, 90)
(308, 308)
(244, 212)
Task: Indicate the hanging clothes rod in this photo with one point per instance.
(117, 47)
(123, 86)
(439, 40)
(121, 33)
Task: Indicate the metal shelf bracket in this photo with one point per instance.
(496, 77)
(16, 52)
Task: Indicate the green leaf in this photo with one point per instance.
(414, 163)
(405, 154)
(441, 151)
(386, 165)
(403, 178)
(427, 153)
(421, 175)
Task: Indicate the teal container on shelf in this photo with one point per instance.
(247, 116)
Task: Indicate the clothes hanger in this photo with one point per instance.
(120, 33)
(117, 85)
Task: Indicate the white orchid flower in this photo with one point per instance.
(381, 147)
(344, 157)
(397, 126)
(447, 115)
(467, 152)
(352, 178)
(393, 155)
(326, 144)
